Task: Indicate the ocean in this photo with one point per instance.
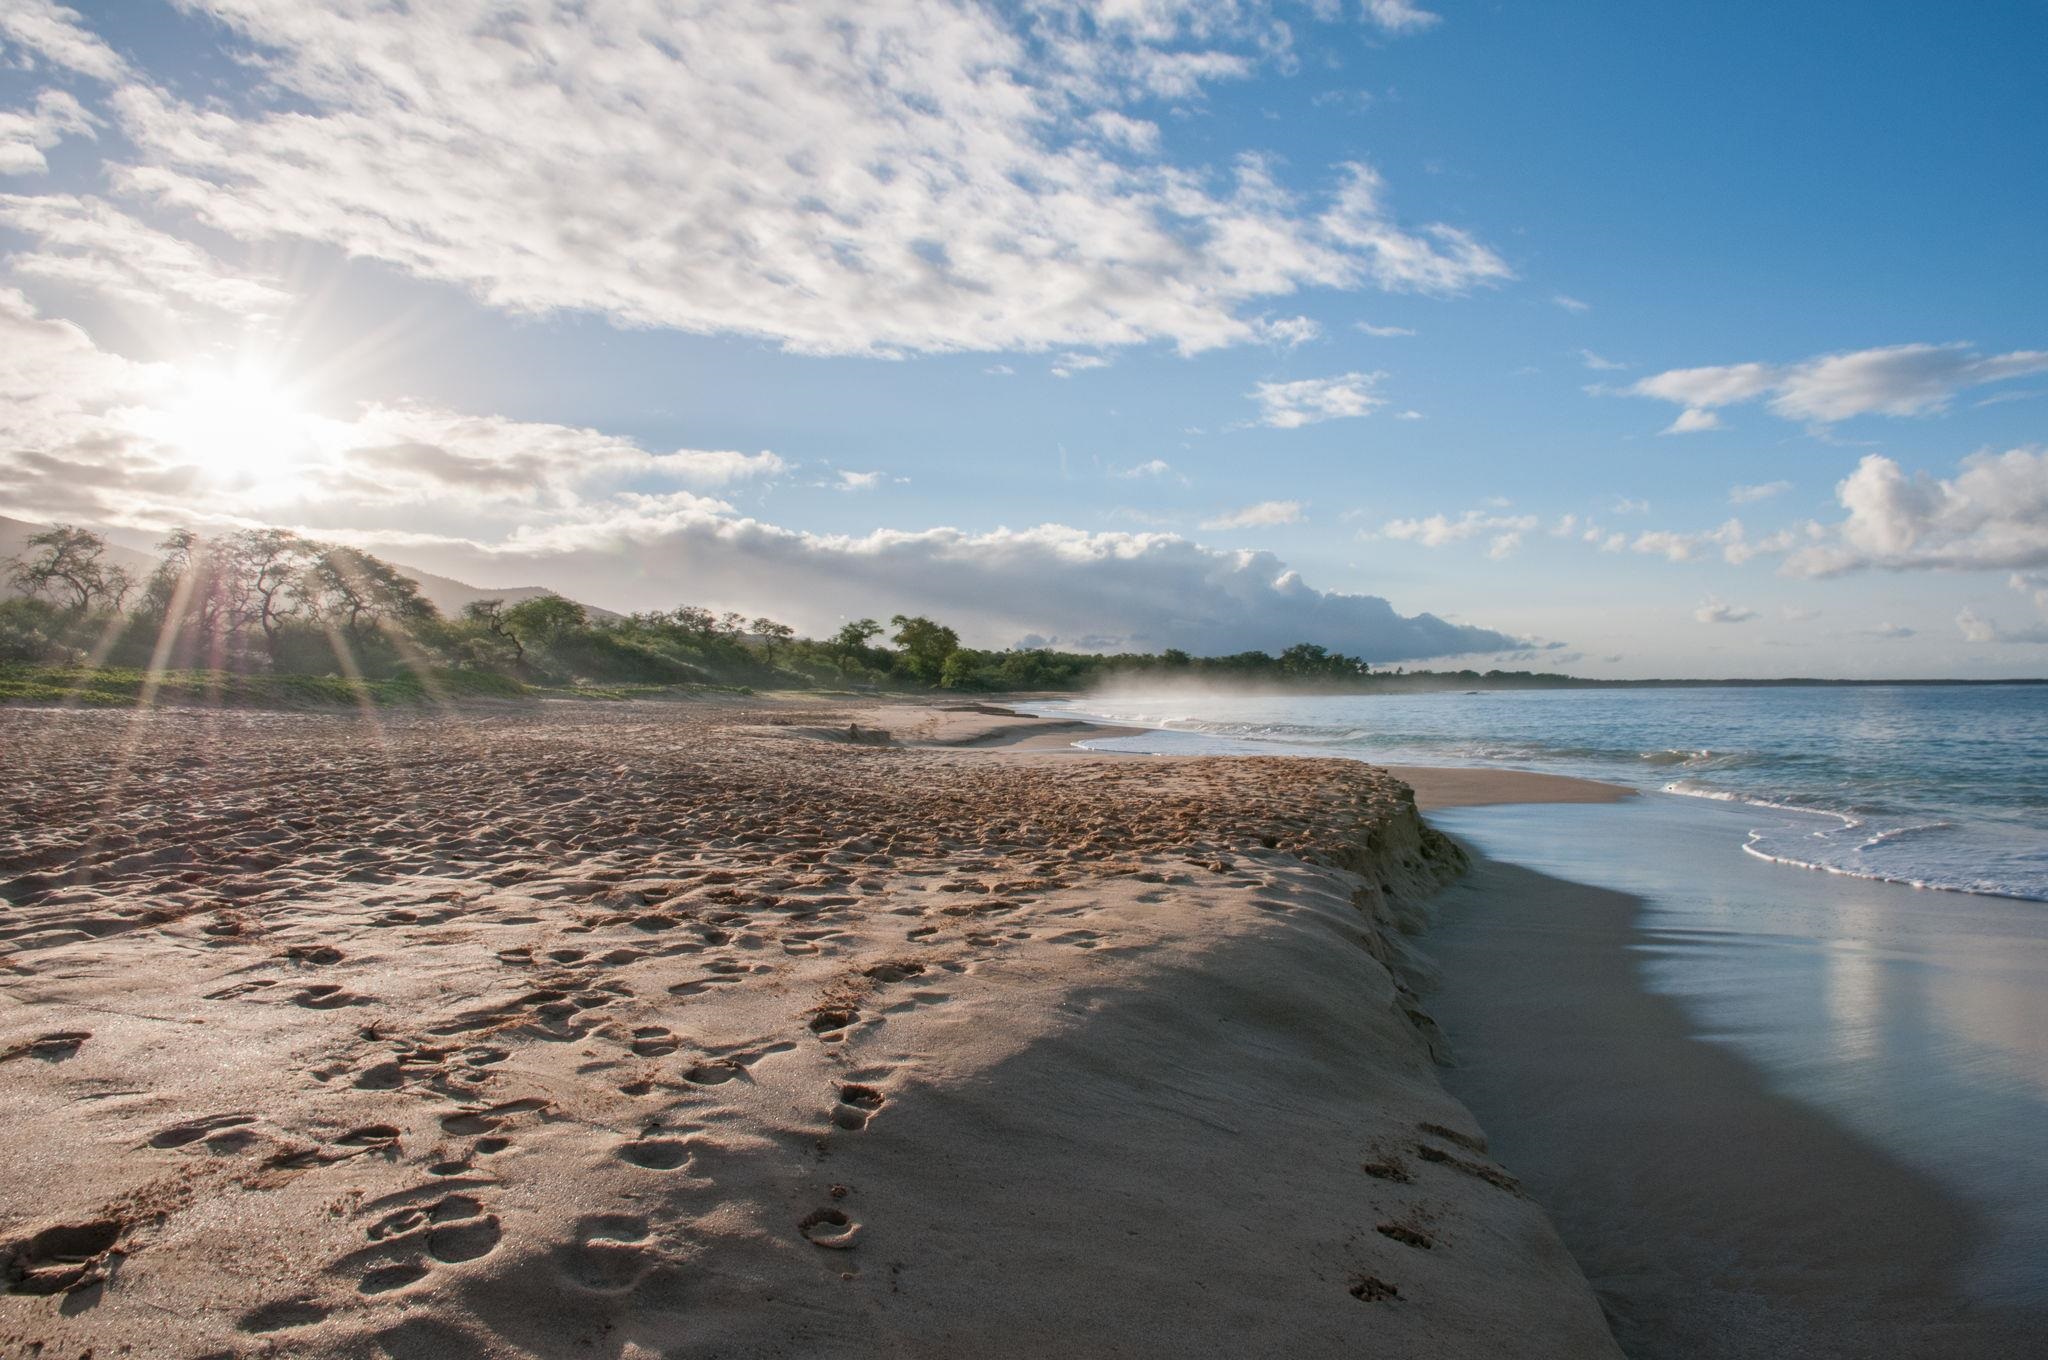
(1939, 786)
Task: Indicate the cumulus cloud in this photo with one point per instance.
(25, 134)
(1976, 628)
(88, 243)
(1992, 515)
(1109, 591)
(1436, 531)
(1308, 401)
(1715, 610)
(836, 177)
(1263, 515)
(1068, 365)
(1898, 380)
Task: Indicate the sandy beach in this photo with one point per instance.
(737, 1029)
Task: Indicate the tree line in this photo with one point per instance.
(272, 600)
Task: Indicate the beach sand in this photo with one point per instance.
(742, 1029)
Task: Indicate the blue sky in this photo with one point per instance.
(1628, 339)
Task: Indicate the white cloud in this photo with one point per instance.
(58, 37)
(1898, 380)
(1570, 303)
(858, 481)
(835, 177)
(1400, 16)
(1598, 363)
(1631, 505)
(1762, 491)
(1992, 515)
(1692, 420)
(1078, 589)
(1732, 541)
(88, 243)
(1382, 332)
(1889, 632)
(1715, 610)
(1290, 332)
(1437, 531)
(999, 370)
(1263, 515)
(1408, 415)
(1307, 401)
(26, 134)
(1976, 628)
(1151, 467)
(2034, 586)
(1067, 365)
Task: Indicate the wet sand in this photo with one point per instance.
(1714, 1216)
(729, 1029)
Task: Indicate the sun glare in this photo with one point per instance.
(240, 425)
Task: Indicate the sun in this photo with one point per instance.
(240, 426)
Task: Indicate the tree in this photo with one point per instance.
(267, 564)
(70, 566)
(852, 639)
(732, 625)
(543, 619)
(694, 620)
(490, 616)
(772, 635)
(925, 646)
(358, 592)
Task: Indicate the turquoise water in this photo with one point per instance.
(1934, 786)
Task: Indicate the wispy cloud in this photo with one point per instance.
(1598, 363)
(1263, 515)
(1761, 491)
(25, 134)
(1504, 532)
(1715, 610)
(1382, 332)
(989, 189)
(90, 244)
(1898, 380)
(1307, 401)
(1570, 303)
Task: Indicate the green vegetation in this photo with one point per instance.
(267, 617)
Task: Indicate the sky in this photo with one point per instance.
(1627, 339)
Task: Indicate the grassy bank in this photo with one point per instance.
(125, 687)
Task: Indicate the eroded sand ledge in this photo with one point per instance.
(679, 1030)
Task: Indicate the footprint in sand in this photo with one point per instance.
(857, 1104)
(1372, 1289)
(448, 1230)
(468, 1123)
(655, 1154)
(51, 1048)
(370, 1135)
(1080, 939)
(829, 1228)
(604, 1257)
(59, 1259)
(191, 1131)
(327, 996)
(281, 1315)
(654, 1041)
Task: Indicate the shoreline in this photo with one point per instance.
(730, 1030)
(1715, 1214)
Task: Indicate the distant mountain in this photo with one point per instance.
(125, 550)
